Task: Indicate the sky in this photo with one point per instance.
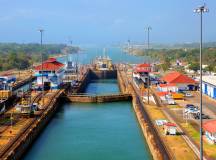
(105, 21)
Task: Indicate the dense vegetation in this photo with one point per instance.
(22, 56)
(190, 56)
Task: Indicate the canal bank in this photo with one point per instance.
(92, 131)
(156, 145)
(18, 145)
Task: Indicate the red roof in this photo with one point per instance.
(210, 126)
(176, 77)
(170, 124)
(50, 65)
(160, 94)
(145, 67)
(167, 85)
(51, 60)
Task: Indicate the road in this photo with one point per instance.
(209, 105)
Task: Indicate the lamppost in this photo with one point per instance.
(71, 44)
(42, 72)
(148, 31)
(200, 10)
(128, 45)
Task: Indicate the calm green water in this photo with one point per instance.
(103, 131)
(102, 87)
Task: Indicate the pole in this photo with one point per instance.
(42, 80)
(201, 10)
(201, 124)
(148, 29)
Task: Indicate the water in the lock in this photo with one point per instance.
(92, 131)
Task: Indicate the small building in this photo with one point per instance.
(183, 82)
(210, 130)
(162, 95)
(143, 68)
(167, 97)
(171, 87)
(51, 73)
(170, 128)
(141, 72)
(209, 86)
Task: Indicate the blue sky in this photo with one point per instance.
(104, 21)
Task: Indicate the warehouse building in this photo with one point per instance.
(209, 86)
(182, 82)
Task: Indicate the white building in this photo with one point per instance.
(209, 86)
(171, 87)
(49, 74)
(210, 130)
(183, 82)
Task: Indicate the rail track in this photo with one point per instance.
(19, 138)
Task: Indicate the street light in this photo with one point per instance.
(42, 80)
(128, 43)
(71, 42)
(148, 31)
(200, 10)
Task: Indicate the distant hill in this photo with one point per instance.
(22, 56)
(187, 45)
(170, 45)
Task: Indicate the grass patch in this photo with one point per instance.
(155, 112)
(210, 149)
(177, 144)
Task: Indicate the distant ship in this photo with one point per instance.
(103, 62)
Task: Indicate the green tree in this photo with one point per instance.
(194, 66)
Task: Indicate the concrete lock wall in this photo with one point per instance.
(156, 145)
(98, 99)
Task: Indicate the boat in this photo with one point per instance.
(103, 63)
